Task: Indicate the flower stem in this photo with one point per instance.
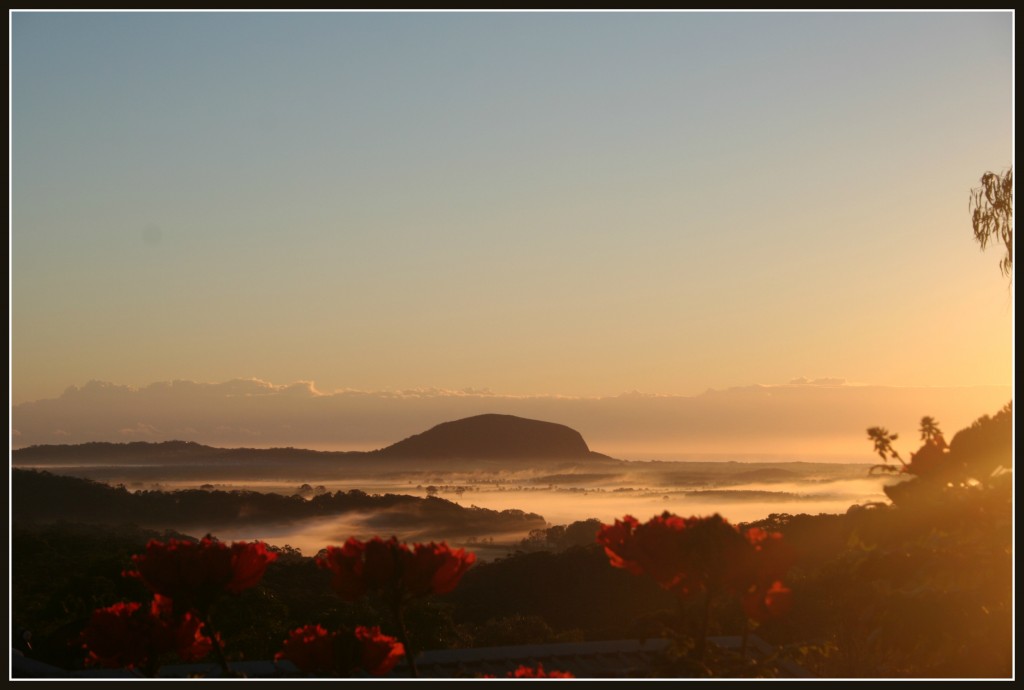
(706, 620)
(403, 635)
(218, 648)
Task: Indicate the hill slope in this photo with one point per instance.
(483, 437)
(493, 436)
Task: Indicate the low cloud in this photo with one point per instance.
(140, 430)
(804, 381)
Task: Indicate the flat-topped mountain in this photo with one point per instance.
(493, 436)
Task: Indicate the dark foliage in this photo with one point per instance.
(42, 496)
(922, 588)
(992, 214)
(562, 537)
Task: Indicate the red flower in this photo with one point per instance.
(316, 651)
(128, 635)
(761, 604)
(184, 634)
(434, 568)
(381, 561)
(378, 653)
(249, 561)
(346, 565)
(195, 574)
(704, 555)
(539, 672)
(772, 556)
(118, 637)
(617, 540)
(651, 549)
(311, 648)
(778, 599)
(758, 576)
(361, 567)
(683, 555)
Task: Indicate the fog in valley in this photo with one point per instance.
(560, 494)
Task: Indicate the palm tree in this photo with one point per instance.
(883, 446)
(930, 430)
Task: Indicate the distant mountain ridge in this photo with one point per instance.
(486, 436)
(493, 436)
(161, 452)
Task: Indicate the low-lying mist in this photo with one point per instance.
(739, 491)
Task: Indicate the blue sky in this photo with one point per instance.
(535, 203)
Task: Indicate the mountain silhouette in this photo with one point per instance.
(493, 436)
(483, 437)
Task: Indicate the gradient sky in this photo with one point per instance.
(532, 203)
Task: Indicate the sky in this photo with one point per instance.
(821, 420)
(522, 203)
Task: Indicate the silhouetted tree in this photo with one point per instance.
(976, 461)
(883, 446)
(986, 445)
(930, 430)
(992, 214)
